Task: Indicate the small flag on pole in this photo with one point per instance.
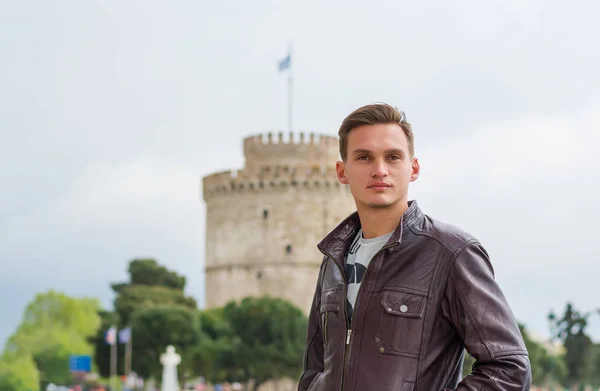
(285, 63)
(111, 336)
(125, 335)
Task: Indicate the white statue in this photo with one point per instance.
(170, 360)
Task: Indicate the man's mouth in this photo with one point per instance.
(379, 185)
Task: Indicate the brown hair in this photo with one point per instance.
(378, 113)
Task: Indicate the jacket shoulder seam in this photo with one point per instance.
(454, 251)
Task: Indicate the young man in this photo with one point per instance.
(400, 295)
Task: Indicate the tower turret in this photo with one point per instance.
(265, 220)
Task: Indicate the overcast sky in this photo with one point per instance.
(112, 111)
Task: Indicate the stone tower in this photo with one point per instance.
(264, 221)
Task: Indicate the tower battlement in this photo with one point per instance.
(301, 149)
(269, 178)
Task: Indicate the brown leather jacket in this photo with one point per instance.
(428, 294)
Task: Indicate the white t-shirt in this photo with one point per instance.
(357, 260)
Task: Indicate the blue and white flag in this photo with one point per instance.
(285, 63)
(125, 335)
(111, 336)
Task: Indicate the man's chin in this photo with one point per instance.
(379, 204)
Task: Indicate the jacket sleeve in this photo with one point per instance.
(478, 310)
(313, 352)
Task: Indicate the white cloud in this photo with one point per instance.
(558, 148)
(142, 191)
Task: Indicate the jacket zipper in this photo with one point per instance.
(348, 325)
(347, 348)
(345, 317)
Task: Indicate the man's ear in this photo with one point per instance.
(340, 168)
(416, 170)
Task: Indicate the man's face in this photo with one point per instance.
(378, 167)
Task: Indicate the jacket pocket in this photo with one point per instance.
(328, 306)
(401, 325)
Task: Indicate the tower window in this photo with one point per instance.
(259, 275)
(288, 249)
(265, 214)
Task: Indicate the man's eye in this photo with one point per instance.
(395, 157)
(363, 157)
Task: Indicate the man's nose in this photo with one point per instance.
(379, 168)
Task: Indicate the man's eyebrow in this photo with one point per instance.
(396, 151)
(368, 152)
(361, 151)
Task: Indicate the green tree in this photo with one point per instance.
(217, 360)
(213, 323)
(555, 368)
(54, 310)
(149, 272)
(133, 297)
(215, 357)
(570, 329)
(18, 373)
(545, 367)
(54, 326)
(52, 356)
(592, 368)
(268, 336)
(156, 328)
(150, 286)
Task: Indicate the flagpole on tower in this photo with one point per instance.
(290, 90)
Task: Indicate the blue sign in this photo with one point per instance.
(80, 364)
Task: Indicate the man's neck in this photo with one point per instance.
(380, 221)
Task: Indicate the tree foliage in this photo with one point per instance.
(157, 295)
(214, 324)
(156, 328)
(134, 297)
(570, 329)
(592, 368)
(18, 373)
(53, 310)
(546, 368)
(215, 356)
(257, 339)
(149, 272)
(54, 326)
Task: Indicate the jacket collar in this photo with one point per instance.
(337, 242)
